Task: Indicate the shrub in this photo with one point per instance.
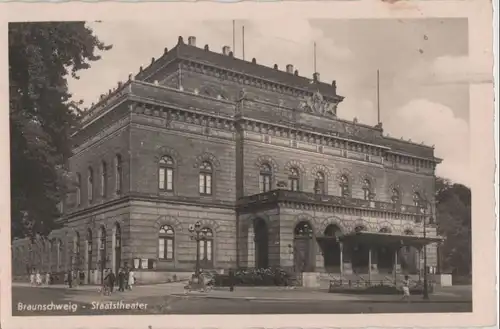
(254, 277)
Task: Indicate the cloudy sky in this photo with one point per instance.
(424, 69)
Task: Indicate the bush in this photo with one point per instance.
(254, 277)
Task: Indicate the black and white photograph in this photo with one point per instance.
(242, 166)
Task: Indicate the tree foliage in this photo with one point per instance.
(453, 212)
(42, 56)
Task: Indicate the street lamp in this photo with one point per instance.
(198, 234)
(424, 208)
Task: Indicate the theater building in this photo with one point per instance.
(258, 157)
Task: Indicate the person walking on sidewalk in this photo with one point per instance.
(70, 278)
(131, 279)
(121, 280)
(406, 289)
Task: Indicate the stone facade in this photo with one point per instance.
(238, 117)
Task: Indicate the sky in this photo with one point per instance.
(424, 69)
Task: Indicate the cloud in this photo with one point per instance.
(450, 70)
(435, 124)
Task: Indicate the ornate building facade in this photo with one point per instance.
(257, 156)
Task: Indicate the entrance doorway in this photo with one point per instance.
(302, 245)
(331, 248)
(261, 244)
(118, 248)
(385, 259)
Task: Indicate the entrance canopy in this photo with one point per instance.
(379, 238)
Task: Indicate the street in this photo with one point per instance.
(153, 301)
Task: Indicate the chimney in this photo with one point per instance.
(275, 66)
(180, 40)
(296, 72)
(206, 48)
(289, 68)
(165, 50)
(316, 77)
(254, 61)
(192, 41)
(226, 50)
(152, 60)
(231, 54)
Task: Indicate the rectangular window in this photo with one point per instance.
(161, 248)
(209, 250)
(170, 249)
(202, 249)
(202, 184)
(170, 182)
(161, 179)
(208, 187)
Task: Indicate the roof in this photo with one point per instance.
(229, 62)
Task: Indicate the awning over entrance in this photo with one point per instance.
(379, 238)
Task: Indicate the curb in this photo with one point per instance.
(251, 298)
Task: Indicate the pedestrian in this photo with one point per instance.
(38, 278)
(32, 278)
(406, 288)
(121, 280)
(112, 280)
(70, 279)
(131, 279)
(106, 284)
(47, 278)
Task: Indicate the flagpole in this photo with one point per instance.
(234, 37)
(378, 96)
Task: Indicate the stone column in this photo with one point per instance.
(341, 259)
(251, 247)
(369, 264)
(396, 265)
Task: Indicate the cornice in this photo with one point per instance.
(249, 80)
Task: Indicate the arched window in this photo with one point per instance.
(118, 174)
(166, 174)
(90, 184)
(78, 189)
(104, 179)
(265, 178)
(344, 186)
(417, 201)
(166, 243)
(367, 188)
(294, 179)
(320, 183)
(303, 229)
(206, 246)
(206, 174)
(395, 196)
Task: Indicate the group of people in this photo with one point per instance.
(124, 280)
(37, 279)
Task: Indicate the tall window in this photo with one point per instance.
(104, 179)
(265, 178)
(206, 246)
(367, 187)
(206, 173)
(166, 174)
(293, 179)
(344, 186)
(395, 197)
(78, 189)
(90, 185)
(417, 200)
(166, 243)
(118, 174)
(319, 183)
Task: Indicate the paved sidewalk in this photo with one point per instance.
(283, 294)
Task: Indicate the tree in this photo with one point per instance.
(453, 212)
(42, 55)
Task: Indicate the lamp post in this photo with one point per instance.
(198, 234)
(425, 203)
